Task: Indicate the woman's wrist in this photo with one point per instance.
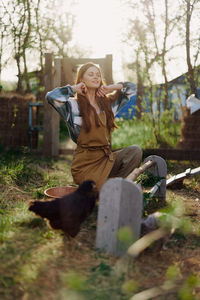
(117, 86)
(74, 87)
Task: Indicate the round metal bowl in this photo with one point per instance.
(59, 191)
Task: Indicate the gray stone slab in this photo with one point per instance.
(159, 169)
(120, 205)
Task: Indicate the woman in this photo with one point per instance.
(88, 109)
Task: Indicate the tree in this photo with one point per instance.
(39, 35)
(153, 32)
(190, 5)
(19, 16)
(4, 37)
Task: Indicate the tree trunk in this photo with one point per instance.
(19, 82)
(25, 44)
(1, 51)
(140, 89)
(40, 36)
(26, 77)
(191, 80)
(166, 86)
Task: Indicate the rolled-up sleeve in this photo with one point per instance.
(128, 90)
(58, 98)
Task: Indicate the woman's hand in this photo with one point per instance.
(106, 89)
(80, 88)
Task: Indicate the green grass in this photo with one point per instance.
(143, 133)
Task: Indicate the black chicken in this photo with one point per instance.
(67, 213)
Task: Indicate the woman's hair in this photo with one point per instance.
(104, 103)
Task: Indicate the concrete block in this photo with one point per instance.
(158, 169)
(120, 205)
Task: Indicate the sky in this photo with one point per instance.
(98, 28)
(99, 25)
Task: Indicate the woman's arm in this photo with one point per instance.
(60, 95)
(106, 89)
(124, 91)
(67, 108)
(123, 97)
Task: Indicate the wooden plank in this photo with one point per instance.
(108, 69)
(138, 171)
(170, 154)
(66, 151)
(174, 154)
(67, 71)
(51, 117)
(104, 63)
(48, 81)
(181, 176)
(86, 60)
(55, 118)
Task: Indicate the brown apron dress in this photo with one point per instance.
(93, 158)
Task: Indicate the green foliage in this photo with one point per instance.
(28, 171)
(173, 272)
(102, 269)
(74, 281)
(19, 173)
(125, 236)
(186, 291)
(129, 287)
(148, 179)
(143, 132)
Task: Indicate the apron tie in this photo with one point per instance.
(106, 148)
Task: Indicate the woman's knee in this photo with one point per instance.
(138, 151)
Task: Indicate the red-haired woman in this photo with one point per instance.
(88, 108)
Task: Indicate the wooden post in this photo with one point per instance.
(51, 117)
(67, 71)
(120, 205)
(108, 69)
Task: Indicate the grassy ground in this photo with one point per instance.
(37, 262)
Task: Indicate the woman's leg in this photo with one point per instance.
(126, 161)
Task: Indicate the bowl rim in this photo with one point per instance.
(54, 187)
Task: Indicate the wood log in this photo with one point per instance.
(138, 171)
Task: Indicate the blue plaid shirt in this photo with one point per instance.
(62, 99)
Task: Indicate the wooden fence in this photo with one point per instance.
(14, 114)
(59, 72)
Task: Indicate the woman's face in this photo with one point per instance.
(92, 78)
